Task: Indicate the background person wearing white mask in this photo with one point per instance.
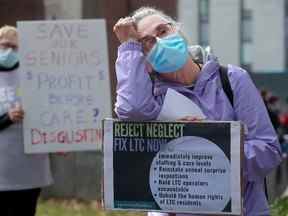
(21, 175)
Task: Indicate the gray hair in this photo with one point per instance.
(143, 12)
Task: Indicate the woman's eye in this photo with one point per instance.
(162, 32)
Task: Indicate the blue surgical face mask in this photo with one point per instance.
(8, 58)
(169, 54)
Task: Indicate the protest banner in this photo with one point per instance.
(179, 167)
(65, 84)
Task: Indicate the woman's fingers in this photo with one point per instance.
(16, 114)
(191, 118)
(125, 29)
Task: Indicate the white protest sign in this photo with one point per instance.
(172, 111)
(65, 84)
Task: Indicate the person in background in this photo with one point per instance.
(21, 176)
(152, 43)
(270, 102)
(272, 105)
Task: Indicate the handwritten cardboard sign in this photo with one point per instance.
(65, 84)
(176, 167)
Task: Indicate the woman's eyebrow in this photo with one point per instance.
(161, 25)
(156, 29)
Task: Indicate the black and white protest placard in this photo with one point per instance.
(65, 84)
(173, 166)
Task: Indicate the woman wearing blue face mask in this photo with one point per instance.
(8, 52)
(21, 175)
(151, 43)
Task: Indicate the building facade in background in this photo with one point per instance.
(250, 33)
(63, 9)
(13, 10)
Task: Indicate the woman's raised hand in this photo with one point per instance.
(125, 29)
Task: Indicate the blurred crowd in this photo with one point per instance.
(278, 112)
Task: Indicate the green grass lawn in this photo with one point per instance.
(75, 208)
(280, 207)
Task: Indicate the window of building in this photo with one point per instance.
(203, 22)
(246, 38)
(247, 25)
